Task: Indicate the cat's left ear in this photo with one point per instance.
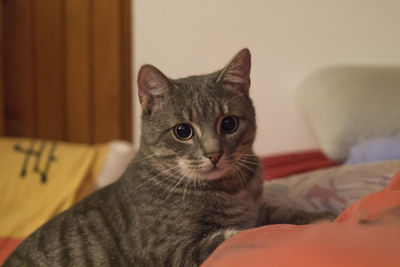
(237, 73)
(152, 84)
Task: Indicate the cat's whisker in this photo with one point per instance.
(173, 189)
(147, 157)
(156, 178)
(199, 183)
(239, 175)
(154, 181)
(194, 184)
(240, 155)
(248, 161)
(251, 170)
(184, 189)
(165, 172)
(161, 180)
(189, 181)
(248, 156)
(243, 174)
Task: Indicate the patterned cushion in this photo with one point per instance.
(41, 178)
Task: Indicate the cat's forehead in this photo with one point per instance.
(198, 86)
(200, 97)
(202, 111)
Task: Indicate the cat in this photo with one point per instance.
(193, 183)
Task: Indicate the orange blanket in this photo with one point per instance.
(366, 234)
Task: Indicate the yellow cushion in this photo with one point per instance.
(40, 178)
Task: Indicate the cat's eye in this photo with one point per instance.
(229, 124)
(183, 131)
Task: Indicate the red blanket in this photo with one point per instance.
(7, 245)
(277, 166)
(365, 234)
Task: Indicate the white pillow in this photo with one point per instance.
(120, 153)
(349, 105)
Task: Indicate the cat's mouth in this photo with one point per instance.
(213, 172)
(206, 171)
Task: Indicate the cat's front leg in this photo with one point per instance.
(286, 215)
(203, 248)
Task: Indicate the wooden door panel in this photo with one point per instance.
(78, 78)
(126, 70)
(67, 69)
(1, 72)
(19, 91)
(106, 69)
(49, 52)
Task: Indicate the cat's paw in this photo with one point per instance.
(324, 217)
(229, 233)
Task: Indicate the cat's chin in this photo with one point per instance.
(213, 174)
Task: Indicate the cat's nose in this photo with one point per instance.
(214, 157)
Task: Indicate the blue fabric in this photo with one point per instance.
(378, 149)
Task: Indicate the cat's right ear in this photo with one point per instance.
(152, 83)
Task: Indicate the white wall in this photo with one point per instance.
(289, 39)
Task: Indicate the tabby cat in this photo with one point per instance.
(194, 182)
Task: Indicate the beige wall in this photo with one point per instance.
(289, 40)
